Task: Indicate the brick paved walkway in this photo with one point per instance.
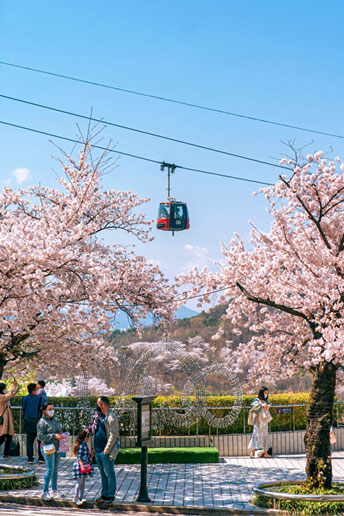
(225, 485)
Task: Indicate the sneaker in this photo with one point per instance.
(55, 493)
(46, 496)
(30, 461)
(101, 500)
(77, 501)
(5, 457)
(41, 461)
(109, 501)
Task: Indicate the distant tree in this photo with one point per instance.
(288, 288)
(61, 284)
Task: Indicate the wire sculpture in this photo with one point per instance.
(235, 388)
(82, 389)
(194, 395)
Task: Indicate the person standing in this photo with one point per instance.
(82, 466)
(49, 432)
(31, 405)
(43, 395)
(6, 426)
(261, 416)
(41, 391)
(105, 428)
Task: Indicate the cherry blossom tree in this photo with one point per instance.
(65, 387)
(61, 284)
(287, 286)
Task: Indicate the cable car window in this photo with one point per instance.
(178, 216)
(164, 211)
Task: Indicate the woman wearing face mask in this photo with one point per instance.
(49, 432)
(261, 418)
(6, 427)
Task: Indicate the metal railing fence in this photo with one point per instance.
(285, 418)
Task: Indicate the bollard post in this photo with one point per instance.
(144, 439)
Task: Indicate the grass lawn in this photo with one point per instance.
(191, 455)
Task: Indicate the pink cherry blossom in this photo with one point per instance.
(295, 272)
(61, 283)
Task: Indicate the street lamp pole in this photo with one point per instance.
(144, 439)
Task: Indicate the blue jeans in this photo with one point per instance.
(52, 464)
(108, 475)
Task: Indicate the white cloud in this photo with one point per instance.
(195, 250)
(196, 257)
(152, 261)
(21, 175)
(157, 263)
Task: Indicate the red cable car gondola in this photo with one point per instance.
(173, 215)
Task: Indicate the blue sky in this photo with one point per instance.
(276, 60)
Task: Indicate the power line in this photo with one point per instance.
(200, 295)
(186, 298)
(141, 131)
(72, 140)
(79, 142)
(174, 101)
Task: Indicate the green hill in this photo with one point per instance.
(203, 325)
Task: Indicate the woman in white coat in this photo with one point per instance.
(260, 417)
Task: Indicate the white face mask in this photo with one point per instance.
(50, 413)
(266, 396)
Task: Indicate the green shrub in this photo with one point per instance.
(280, 422)
(16, 483)
(73, 421)
(303, 507)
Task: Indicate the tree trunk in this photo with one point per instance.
(3, 364)
(319, 421)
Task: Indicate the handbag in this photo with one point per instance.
(49, 449)
(251, 417)
(14, 448)
(266, 416)
(2, 416)
(85, 468)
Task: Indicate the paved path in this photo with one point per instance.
(11, 509)
(215, 486)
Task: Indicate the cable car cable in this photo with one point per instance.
(174, 101)
(72, 140)
(155, 135)
(222, 175)
(178, 299)
(199, 295)
(186, 298)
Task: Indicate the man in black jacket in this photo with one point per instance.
(31, 405)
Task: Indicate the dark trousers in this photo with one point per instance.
(7, 438)
(30, 439)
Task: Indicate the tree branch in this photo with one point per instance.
(268, 302)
